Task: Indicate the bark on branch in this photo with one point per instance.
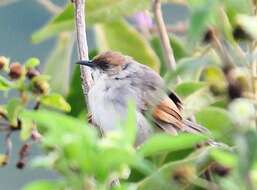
(168, 52)
(82, 45)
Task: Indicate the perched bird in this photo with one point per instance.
(119, 79)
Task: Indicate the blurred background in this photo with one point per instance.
(18, 21)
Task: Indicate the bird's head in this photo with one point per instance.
(107, 63)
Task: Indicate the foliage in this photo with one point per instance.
(216, 58)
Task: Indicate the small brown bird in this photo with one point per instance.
(119, 79)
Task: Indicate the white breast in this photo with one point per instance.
(105, 113)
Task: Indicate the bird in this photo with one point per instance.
(119, 79)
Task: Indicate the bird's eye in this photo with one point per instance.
(103, 65)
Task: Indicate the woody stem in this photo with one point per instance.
(85, 71)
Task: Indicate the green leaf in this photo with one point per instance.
(4, 84)
(177, 46)
(41, 185)
(75, 97)
(189, 67)
(217, 120)
(32, 62)
(186, 88)
(160, 143)
(60, 57)
(215, 77)
(110, 37)
(26, 129)
(96, 11)
(130, 124)
(52, 29)
(55, 101)
(224, 158)
(14, 107)
(204, 14)
(235, 7)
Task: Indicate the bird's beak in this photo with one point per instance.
(88, 63)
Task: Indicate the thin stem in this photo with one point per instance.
(50, 6)
(85, 71)
(8, 146)
(168, 52)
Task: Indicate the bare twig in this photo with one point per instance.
(50, 6)
(168, 52)
(85, 71)
(23, 154)
(8, 146)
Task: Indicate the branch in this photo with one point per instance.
(8, 146)
(85, 71)
(50, 6)
(168, 52)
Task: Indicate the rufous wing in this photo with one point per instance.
(168, 114)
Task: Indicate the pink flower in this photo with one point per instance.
(143, 20)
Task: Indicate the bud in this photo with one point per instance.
(209, 36)
(20, 164)
(183, 174)
(40, 87)
(31, 73)
(15, 70)
(219, 169)
(240, 34)
(3, 62)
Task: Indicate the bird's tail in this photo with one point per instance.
(191, 127)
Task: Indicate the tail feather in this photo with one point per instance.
(194, 128)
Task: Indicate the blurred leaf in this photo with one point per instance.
(215, 77)
(235, 7)
(197, 101)
(251, 137)
(32, 62)
(130, 124)
(4, 84)
(226, 27)
(3, 159)
(50, 30)
(204, 14)
(14, 107)
(248, 24)
(217, 120)
(96, 11)
(55, 101)
(178, 47)
(188, 67)
(173, 175)
(160, 143)
(224, 158)
(26, 129)
(186, 88)
(75, 97)
(110, 37)
(58, 63)
(53, 120)
(41, 185)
